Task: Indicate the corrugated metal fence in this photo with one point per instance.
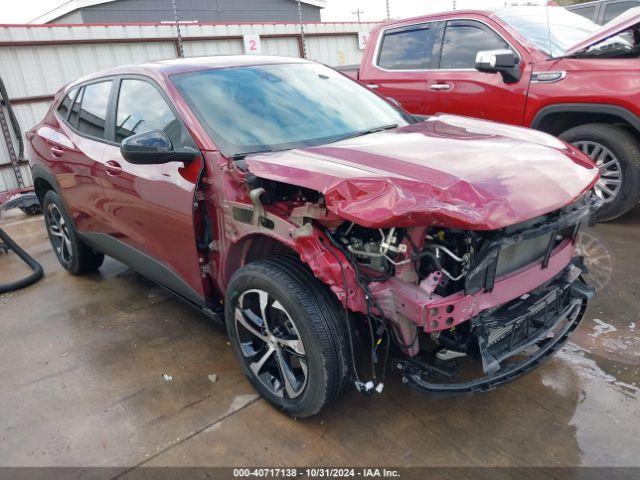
(36, 60)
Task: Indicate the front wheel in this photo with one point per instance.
(288, 331)
(616, 152)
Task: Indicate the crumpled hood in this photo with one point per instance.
(448, 171)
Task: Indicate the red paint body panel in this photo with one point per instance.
(611, 82)
(447, 171)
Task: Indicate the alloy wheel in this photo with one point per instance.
(610, 182)
(271, 344)
(59, 233)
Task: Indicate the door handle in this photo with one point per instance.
(113, 168)
(373, 86)
(440, 86)
(56, 151)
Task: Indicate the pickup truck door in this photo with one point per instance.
(463, 90)
(150, 208)
(399, 66)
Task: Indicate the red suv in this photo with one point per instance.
(257, 190)
(539, 67)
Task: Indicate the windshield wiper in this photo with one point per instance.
(367, 132)
(243, 155)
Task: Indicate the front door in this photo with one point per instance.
(463, 90)
(151, 207)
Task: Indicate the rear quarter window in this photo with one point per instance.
(65, 105)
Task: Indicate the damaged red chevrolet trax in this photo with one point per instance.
(334, 234)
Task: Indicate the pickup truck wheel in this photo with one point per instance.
(72, 253)
(288, 331)
(617, 154)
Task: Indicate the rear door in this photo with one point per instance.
(400, 66)
(151, 207)
(463, 90)
(73, 146)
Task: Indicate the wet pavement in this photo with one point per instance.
(110, 370)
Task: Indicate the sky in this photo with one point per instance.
(337, 10)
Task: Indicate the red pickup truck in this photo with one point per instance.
(540, 67)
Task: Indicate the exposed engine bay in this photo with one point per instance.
(445, 262)
(456, 310)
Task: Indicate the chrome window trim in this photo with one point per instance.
(376, 52)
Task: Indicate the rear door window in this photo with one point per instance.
(93, 111)
(407, 48)
(141, 108)
(462, 41)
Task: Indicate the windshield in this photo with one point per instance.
(276, 107)
(551, 29)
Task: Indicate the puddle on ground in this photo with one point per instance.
(606, 418)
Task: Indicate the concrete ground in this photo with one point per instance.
(82, 383)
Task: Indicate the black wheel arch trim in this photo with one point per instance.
(596, 108)
(41, 173)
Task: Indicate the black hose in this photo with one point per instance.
(37, 274)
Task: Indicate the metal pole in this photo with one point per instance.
(14, 157)
(357, 12)
(388, 10)
(177, 20)
(302, 40)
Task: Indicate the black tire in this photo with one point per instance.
(79, 257)
(626, 149)
(318, 320)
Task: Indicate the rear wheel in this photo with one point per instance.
(288, 331)
(617, 155)
(73, 254)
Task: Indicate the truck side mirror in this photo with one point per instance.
(505, 62)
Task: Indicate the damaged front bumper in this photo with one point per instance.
(514, 338)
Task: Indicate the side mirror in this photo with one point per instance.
(499, 61)
(154, 147)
